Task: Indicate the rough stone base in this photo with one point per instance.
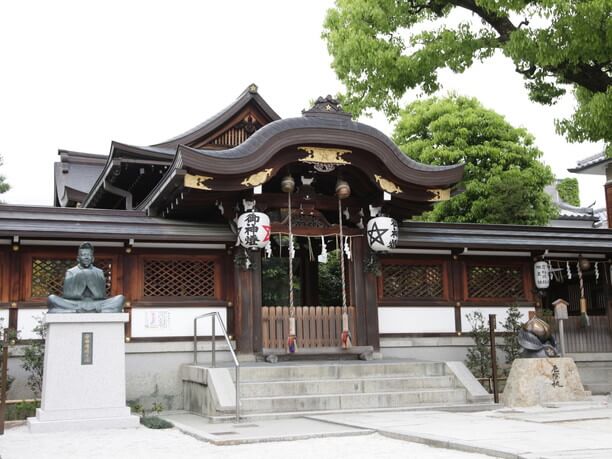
(537, 381)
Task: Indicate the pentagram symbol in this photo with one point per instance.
(376, 234)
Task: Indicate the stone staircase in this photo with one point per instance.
(307, 387)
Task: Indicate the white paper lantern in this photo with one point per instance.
(541, 274)
(382, 234)
(254, 230)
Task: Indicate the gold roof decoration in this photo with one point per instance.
(440, 194)
(257, 178)
(387, 185)
(321, 155)
(197, 181)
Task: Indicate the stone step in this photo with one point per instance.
(345, 386)
(280, 372)
(352, 401)
(599, 388)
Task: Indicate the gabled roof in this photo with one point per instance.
(248, 96)
(595, 164)
(74, 176)
(163, 153)
(573, 214)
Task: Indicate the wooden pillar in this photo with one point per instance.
(455, 278)
(15, 287)
(248, 306)
(256, 298)
(363, 294)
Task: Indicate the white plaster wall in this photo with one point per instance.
(166, 322)
(4, 318)
(416, 320)
(500, 312)
(27, 319)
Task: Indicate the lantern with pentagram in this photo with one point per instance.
(382, 233)
(253, 230)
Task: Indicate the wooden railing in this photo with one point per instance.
(595, 338)
(316, 326)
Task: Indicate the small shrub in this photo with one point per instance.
(479, 355)
(511, 325)
(21, 410)
(157, 408)
(34, 357)
(11, 337)
(136, 408)
(154, 422)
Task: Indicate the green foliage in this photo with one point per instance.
(21, 410)
(153, 422)
(34, 357)
(10, 337)
(157, 408)
(569, 191)
(511, 326)
(330, 281)
(478, 358)
(136, 407)
(503, 180)
(382, 48)
(275, 281)
(3, 185)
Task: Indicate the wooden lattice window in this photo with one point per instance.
(48, 275)
(495, 282)
(413, 281)
(179, 278)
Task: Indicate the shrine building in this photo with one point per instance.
(203, 222)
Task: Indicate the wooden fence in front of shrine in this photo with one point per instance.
(316, 326)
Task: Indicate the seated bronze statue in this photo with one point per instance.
(85, 288)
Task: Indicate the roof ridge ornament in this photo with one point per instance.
(326, 105)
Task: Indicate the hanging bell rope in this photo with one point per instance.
(584, 318)
(288, 186)
(345, 337)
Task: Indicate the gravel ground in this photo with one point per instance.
(18, 443)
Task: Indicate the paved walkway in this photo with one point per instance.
(574, 430)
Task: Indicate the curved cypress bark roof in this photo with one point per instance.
(322, 129)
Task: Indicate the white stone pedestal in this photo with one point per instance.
(537, 381)
(84, 374)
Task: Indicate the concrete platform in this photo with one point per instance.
(255, 432)
(544, 433)
(577, 430)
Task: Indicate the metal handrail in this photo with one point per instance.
(214, 315)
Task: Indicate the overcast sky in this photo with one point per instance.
(78, 74)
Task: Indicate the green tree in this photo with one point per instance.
(511, 326)
(503, 180)
(382, 48)
(478, 358)
(3, 185)
(34, 357)
(568, 191)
